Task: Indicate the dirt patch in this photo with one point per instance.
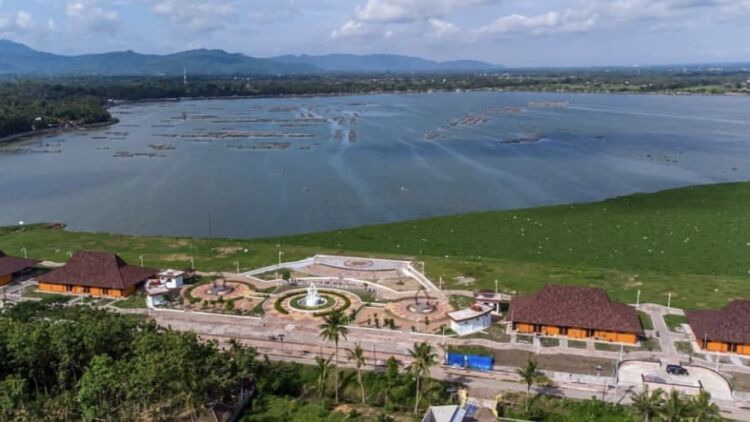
(180, 243)
(740, 382)
(176, 257)
(228, 250)
(562, 363)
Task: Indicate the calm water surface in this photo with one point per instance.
(249, 168)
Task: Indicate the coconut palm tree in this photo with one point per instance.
(423, 358)
(333, 329)
(322, 365)
(647, 403)
(702, 409)
(529, 374)
(357, 355)
(391, 376)
(674, 408)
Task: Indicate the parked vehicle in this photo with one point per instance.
(676, 370)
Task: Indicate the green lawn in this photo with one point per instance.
(674, 321)
(646, 322)
(132, 302)
(683, 347)
(692, 242)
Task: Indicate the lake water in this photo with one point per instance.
(261, 167)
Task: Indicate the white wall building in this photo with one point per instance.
(475, 318)
(173, 279)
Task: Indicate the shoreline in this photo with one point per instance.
(58, 130)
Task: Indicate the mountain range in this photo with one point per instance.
(19, 59)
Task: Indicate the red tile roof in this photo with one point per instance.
(574, 307)
(98, 269)
(730, 324)
(11, 265)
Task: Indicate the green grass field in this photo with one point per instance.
(693, 242)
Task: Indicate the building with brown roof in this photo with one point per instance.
(723, 330)
(10, 266)
(95, 274)
(576, 312)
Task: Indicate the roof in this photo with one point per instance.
(171, 273)
(98, 269)
(574, 307)
(474, 311)
(730, 324)
(11, 265)
(449, 413)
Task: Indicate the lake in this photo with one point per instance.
(264, 167)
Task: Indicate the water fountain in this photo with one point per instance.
(220, 288)
(313, 299)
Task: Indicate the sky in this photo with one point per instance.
(509, 32)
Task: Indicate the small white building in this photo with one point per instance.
(156, 293)
(491, 299)
(475, 318)
(173, 279)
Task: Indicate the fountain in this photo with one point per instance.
(220, 288)
(313, 299)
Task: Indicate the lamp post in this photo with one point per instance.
(638, 299)
(140, 258)
(669, 301)
(192, 264)
(237, 266)
(495, 287)
(25, 252)
(280, 254)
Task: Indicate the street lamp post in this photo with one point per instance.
(237, 266)
(638, 299)
(140, 258)
(192, 264)
(495, 287)
(669, 302)
(280, 254)
(25, 252)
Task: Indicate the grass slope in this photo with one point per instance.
(693, 242)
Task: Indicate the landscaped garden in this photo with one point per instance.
(655, 243)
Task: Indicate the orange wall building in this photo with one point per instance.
(10, 266)
(575, 312)
(723, 330)
(95, 274)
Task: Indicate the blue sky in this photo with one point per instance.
(511, 32)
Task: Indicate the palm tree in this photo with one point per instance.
(333, 329)
(391, 376)
(702, 409)
(674, 408)
(647, 403)
(357, 355)
(529, 374)
(322, 365)
(424, 357)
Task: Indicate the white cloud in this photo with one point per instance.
(24, 21)
(90, 15)
(196, 15)
(598, 14)
(386, 16)
(547, 23)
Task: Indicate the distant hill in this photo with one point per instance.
(384, 63)
(19, 59)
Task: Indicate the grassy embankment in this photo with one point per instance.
(693, 242)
